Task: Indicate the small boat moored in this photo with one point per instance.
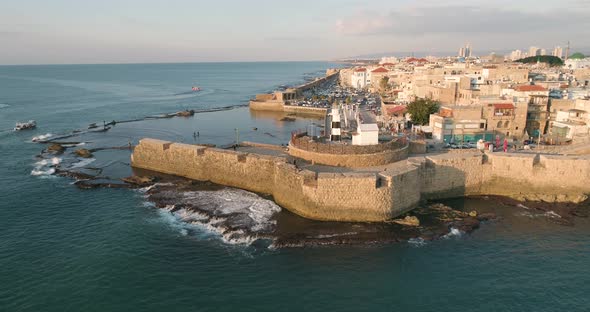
(196, 89)
(31, 124)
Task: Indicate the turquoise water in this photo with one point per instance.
(66, 249)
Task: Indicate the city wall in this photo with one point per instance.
(374, 196)
(351, 156)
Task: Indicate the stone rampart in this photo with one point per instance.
(352, 156)
(373, 196)
(349, 197)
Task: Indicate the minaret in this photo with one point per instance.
(567, 50)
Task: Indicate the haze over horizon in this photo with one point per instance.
(133, 31)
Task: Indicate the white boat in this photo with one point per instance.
(31, 124)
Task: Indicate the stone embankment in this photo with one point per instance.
(366, 195)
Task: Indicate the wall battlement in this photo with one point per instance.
(370, 196)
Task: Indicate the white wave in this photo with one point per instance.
(41, 172)
(453, 233)
(45, 167)
(82, 163)
(417, 242)
(552, 214)
(223, 210)
(523, 206)
(41, 137)
(4, 105)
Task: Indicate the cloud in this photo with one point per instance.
(412, 21)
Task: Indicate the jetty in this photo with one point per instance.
(286, 101)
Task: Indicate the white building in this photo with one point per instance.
(570, 123)
(558, 51)
(577, 63)
(516, 55)
(534, 51)
(360, 78)
(366, 134)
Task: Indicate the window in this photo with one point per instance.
(336, 124)
(506, 124)
(499, 125)
(482, 125)
(516, 128)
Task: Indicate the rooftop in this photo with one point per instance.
(529, 88)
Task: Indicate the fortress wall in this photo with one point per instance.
(305, 110)
(451, 175)
(351, 160)
(275, 106)
(371, 196)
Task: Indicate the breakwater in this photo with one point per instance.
(365, 195)
(280, 101)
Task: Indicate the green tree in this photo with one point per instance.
(348, 100)
(421, 109)
(577, 55)
(549, 59)
(384, 83)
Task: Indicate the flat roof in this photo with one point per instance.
(368, 127)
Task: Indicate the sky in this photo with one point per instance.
(139, 31)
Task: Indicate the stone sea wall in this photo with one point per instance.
(373, 196)
(323, 196)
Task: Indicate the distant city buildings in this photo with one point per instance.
(558, 52)
(465, 51)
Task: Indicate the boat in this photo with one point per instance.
(31, 124)
(196, 89)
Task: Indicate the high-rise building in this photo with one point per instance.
(558, 51)
(515, 55)
(465, 51)
(543, 52)
(534, 51)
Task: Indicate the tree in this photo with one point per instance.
(348, 100)
(420, 110)
(384, 83)
(549, 59)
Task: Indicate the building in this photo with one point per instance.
(360, 78)
(577, 63)
(465, 51)
(504, 117)
(570, 123)
(458, 124)
(516, 55)
(366, 134)
(534, 51)
(558, 52)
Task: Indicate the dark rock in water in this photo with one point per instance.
(140, 180)
(92, 126)
(56, 148)
(82, 152)
(74, 174)
(91, 184)
(488, 216)
(288, 119)
(185, 113)
(466, 225)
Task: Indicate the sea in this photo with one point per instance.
(63, 248)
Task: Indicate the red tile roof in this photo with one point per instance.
(360, 70)
(387, 64)
(504, 106)
(380, 70)
(529, 88)
(416, 60)
(397, 109)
